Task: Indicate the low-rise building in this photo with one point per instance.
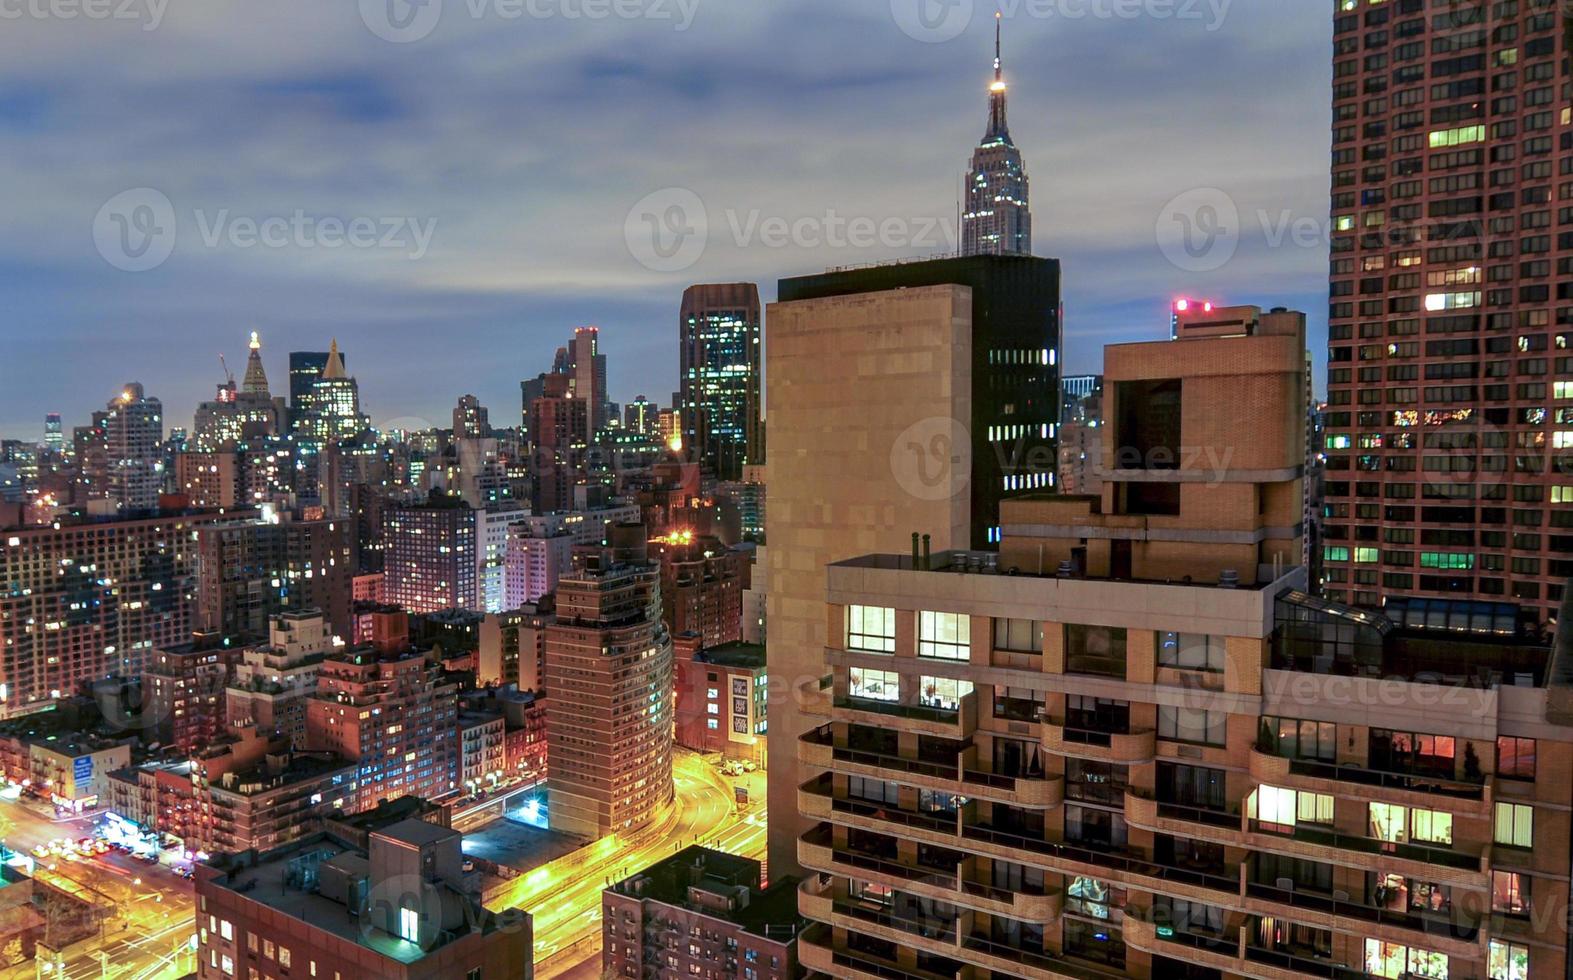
(701, 913)
(483, 755)
(721, 698)
(400, 908)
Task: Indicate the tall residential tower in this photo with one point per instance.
(1447, 429)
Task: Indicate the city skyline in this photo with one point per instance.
(491, 281)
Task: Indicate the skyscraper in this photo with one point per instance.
(54, 434)
(133, 450)
(1447, 431)
(719, 361)
(331, 409)
(305, 368)
(1169, 761)
(428, 555)
(470, 419)
(997, 219)
(609, 717)
(586, 369)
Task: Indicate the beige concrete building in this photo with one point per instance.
(1131, 745)
(609, 716)
(866, 405)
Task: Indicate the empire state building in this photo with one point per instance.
(996, 219)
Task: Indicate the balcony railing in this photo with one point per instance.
(1128, 862)
(1423, 853)
(895, 709)
(1435, 924)
(1410, 782)
(1303, 964)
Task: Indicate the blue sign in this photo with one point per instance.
(82, 768)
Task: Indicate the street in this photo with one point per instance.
(564, 896)
(152, 915)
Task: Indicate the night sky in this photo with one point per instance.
(535, 140)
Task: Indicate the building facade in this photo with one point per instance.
(1137, 747)
(1447, 430)
(609, 713)
(393, 714)
(898, 399)
(90, 599)
(252, 570)
(700, 913)
(429, 555)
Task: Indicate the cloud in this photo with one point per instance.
(525, 142)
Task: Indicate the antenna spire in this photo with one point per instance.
(998, 75)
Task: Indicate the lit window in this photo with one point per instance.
(1515, 825)
(873, 685)
(1507, 961)
(871, 629)
(945, 636)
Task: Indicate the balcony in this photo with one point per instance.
(1227, 952)
(1129, 867)
(816, 851)
(829, 901)
(1435, 931)
(1466, 799)
(957, 723)
(1443, 865)
(814, 748)
(1142, 810)
(1013, 960)
(815, 951)
(1126, 749)
(814, 696)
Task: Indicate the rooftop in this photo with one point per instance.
(699, 871)
(987, 563)
(748, 655)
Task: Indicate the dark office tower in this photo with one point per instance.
(997, 219)
(54, 434)
(1014, 365)
(1448, 434)
(305, 369)
(719, 367)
